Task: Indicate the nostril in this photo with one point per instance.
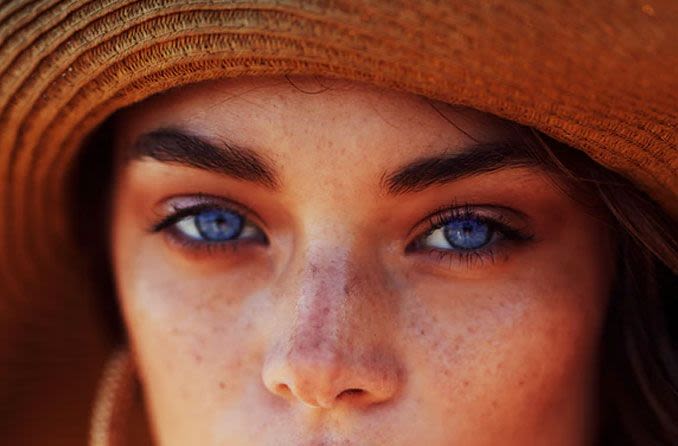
(350, 392)
(283, 389)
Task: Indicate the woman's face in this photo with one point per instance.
(324, 263)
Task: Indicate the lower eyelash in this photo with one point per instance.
(507, 235)
(471, 258)
(201, 247)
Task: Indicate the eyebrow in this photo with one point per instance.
(177, 146)
(476, 159)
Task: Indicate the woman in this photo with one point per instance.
(314, 236)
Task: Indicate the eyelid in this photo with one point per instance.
(501, 215)
(174, 208)
(490, 210)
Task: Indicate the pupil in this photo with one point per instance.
(219, 225)
(467, 233)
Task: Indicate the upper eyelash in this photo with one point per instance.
(181, 213)
(435, 220)
(205, 202)
(167, 223)
(444, 215)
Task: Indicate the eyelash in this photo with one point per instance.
(498, 224)
(506, 231)
(168, 223)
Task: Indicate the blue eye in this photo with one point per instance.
(464, 233)
(215, 225)
(467, 233)
(472, 235)
(218, 225)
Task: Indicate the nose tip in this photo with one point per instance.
(326, 383)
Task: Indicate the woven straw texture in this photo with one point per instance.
(598, 75)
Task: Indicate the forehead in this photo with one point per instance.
(311, 128)
(261, 109)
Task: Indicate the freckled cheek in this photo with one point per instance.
(193, 337)
(515, 354)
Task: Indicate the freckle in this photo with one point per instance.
(422, 331)
(347, 290)
(465, 383)
(248, 325)
(521, 383)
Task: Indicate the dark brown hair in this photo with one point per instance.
(639, 360)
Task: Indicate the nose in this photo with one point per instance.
(327, 379)
(332, 349)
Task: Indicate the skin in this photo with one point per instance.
(259, 344)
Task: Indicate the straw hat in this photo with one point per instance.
(600, 76)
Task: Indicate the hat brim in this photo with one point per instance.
(599, 76)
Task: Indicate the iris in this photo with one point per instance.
(467, 233)
(218, 225)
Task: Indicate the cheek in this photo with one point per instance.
(519, 349)
(194, 336)
(521, 365)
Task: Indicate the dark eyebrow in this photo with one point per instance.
(177, 146)
(474, 160)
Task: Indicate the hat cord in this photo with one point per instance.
(113, 401)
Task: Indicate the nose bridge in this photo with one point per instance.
(326, 349)
(323, 305)
(319, 343)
